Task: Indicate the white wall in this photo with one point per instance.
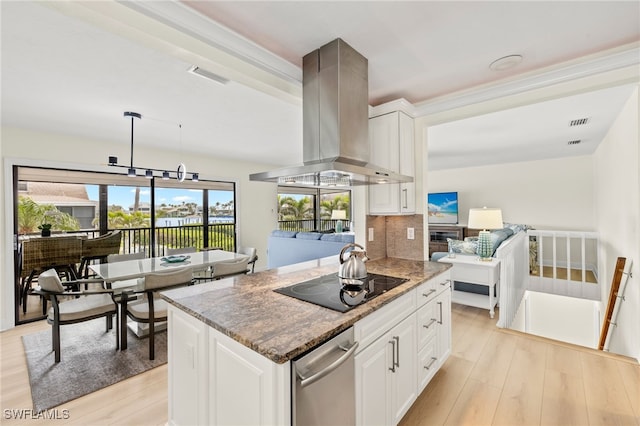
(256, 201)
(546, 194)
(617, 187)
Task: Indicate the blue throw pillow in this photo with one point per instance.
(463, 247)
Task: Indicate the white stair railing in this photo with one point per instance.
(561, 252)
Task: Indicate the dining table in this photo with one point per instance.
(130, 269)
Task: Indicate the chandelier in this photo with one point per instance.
(180, 174)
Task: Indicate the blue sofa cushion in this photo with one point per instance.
(283, 234)
(339, 238)
(308, 235)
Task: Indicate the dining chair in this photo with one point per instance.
(151, 308)
(198, 274)
(253, 256)
(83, 305)
(124, 284)
(181, 250)
(99, 248)
(229, 268)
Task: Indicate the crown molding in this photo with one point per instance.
(189, 21)
(624, 57)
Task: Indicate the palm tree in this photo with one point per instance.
(292, 209)
(337, 202)
(31, 215)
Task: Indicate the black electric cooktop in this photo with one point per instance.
(329, 291)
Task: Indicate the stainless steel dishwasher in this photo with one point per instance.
(323, 384)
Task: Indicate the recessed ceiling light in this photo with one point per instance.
(505, 63)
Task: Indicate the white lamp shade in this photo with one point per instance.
(485, 218)
(338, 214)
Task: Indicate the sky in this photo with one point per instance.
(123, 195)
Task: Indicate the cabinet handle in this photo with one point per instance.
(397, 339)
(433, 290)
(430, 323)
(393, 356)
(440, 304)
(445, 282)
(406, 198)
(433, 360)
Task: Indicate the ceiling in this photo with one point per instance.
(74, 68)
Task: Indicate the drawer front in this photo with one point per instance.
(428, 363)
(428, 317)
(471, 274)
(431, 288)
(368, 329)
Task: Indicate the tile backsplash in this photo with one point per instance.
(390, 237)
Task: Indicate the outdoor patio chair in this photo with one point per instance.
(98, 249)
(42, 253)
(150, 309)
(82, 306)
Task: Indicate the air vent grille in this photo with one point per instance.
(579, 122)
(574, 142)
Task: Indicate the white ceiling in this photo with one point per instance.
(74, 68)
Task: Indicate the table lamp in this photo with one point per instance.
(338, 215)
(485, 219)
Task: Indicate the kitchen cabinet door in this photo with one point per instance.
(246, 388)
(444, 326)
(403, 379)
(386, 383)
(372, 383)
(392, 146)
(187, 367)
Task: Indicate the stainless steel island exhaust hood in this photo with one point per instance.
(335, 90)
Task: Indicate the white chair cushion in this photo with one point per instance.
(140, 309)
(50, 281)
(83, 307)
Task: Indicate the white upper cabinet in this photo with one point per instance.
(391, 138)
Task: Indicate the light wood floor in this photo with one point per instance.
(493, 377)
(561, 274)
(500, 377)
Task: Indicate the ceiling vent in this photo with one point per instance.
(574, 142)
(196, 70)
(578, 122)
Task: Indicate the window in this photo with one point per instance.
(310, 209)
(152, 214)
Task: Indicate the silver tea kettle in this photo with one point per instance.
(353, 268)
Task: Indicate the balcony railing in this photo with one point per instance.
(308, 225)
(221, 235)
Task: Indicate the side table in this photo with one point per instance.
(470, 269)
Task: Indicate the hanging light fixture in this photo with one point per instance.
(180, 174)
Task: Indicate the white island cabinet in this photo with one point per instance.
(397, 357)
(214, 380)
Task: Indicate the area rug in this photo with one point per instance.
(89, 361)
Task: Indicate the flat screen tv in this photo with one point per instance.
(443, 207)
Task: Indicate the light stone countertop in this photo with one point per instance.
(280, 327)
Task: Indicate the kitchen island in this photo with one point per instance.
(231, 341)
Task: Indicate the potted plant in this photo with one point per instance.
(45, 229)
